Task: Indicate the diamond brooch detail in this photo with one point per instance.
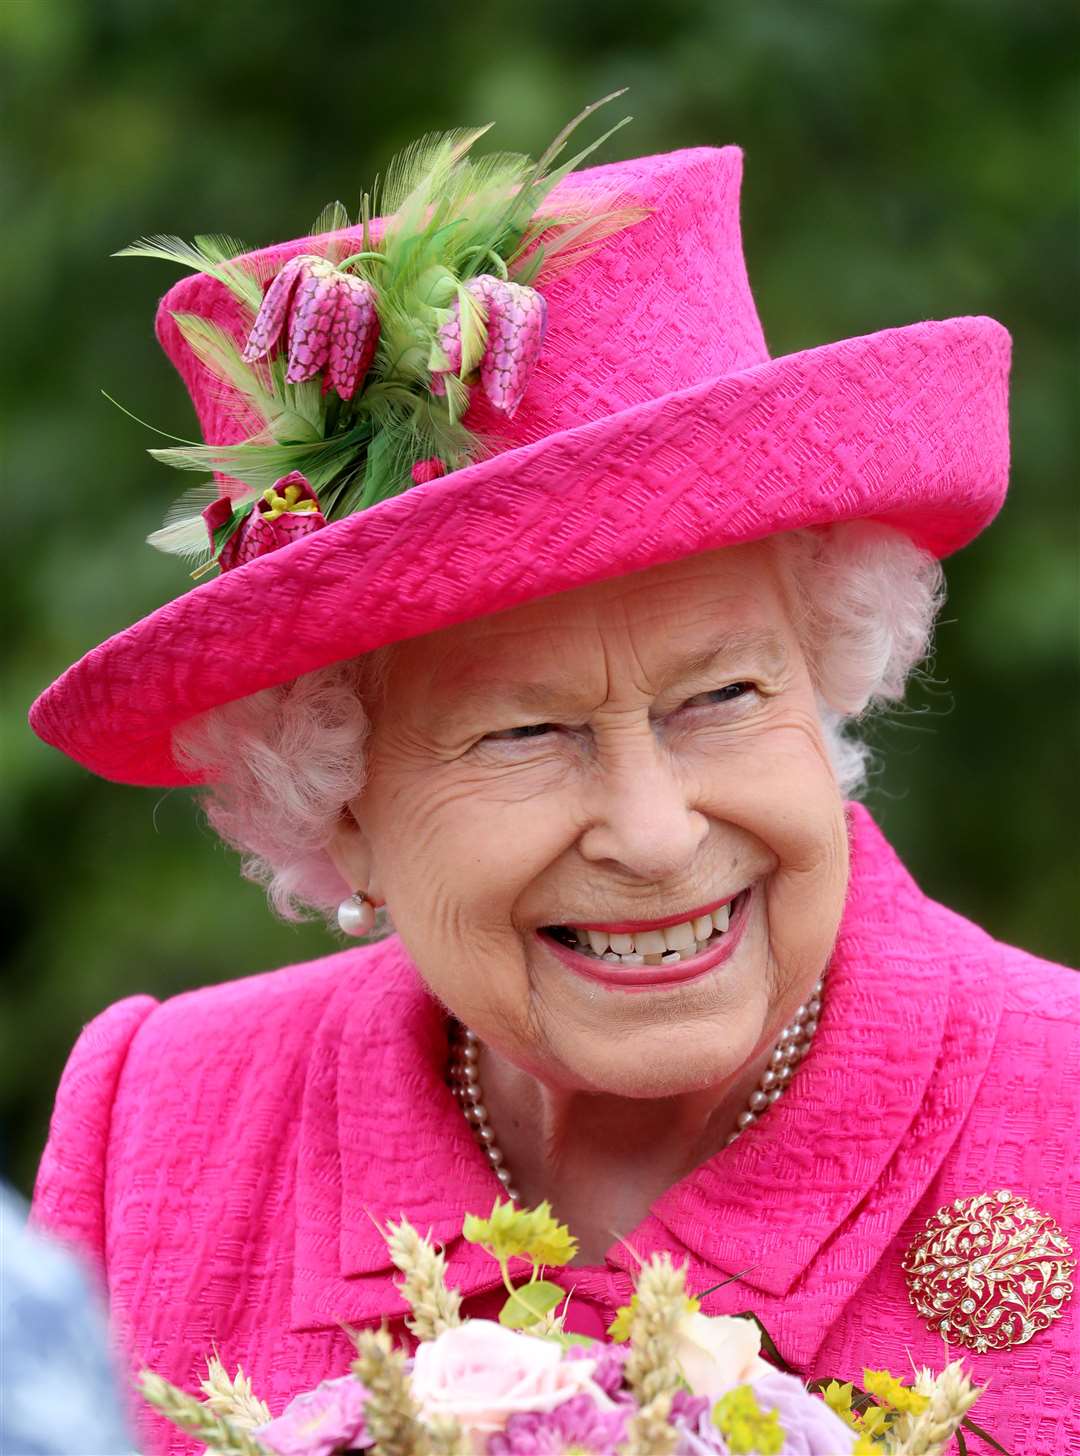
(989, 1272)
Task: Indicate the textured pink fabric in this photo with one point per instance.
(224, 1155)
(654, 426)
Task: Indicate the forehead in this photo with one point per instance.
(668, 619)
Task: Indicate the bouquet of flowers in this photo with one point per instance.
(670, 1382)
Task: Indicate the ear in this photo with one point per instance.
(350, 852)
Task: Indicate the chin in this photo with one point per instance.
(671, 1057)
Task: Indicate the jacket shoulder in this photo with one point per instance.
(69, 1192)
(143, 1070)
(1030, 985)
(1037, 987)
(291, 996)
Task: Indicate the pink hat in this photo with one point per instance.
(653, 425)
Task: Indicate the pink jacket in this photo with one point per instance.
(224, 1158)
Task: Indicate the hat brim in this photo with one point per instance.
(907, 426)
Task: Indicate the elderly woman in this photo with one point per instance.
(574, 712)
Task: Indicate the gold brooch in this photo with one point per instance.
(989, 1272)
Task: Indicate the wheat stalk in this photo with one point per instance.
(951, 1395)
(390, 1413)
(652, 1369)
(649, 1432)
(435, 1307)
(233, 1398)
(215, 1431)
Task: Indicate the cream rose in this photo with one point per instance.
(482, 1374)
(717, 1353)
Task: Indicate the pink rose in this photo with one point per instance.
(482, 1374)
(716, 1353)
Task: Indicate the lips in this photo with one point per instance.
(687, 916)
(659, 954)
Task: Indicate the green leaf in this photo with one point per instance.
(436, 287)
(530, 1303)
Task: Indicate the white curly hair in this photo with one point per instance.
(280, 764)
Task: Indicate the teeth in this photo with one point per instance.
(650, 942)
(655, 947)
(679, 937)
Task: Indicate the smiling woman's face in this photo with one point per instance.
(634, 752)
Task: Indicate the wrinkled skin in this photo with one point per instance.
(625, 751)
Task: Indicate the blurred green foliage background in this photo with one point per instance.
(905, 159)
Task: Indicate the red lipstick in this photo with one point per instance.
(627, 927)
(655, 978)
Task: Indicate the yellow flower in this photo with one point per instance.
(893, 1393)
(619, 1328)
(838, 1398)
(551, 1242)
(529, 1233)
(745, 1426)
(864, 1446)
(875, 1421)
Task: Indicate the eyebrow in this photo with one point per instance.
(759, 642)
(549, 698)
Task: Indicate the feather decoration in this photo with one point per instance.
(259, 463)
(219, 352)
(242, 284)
(334, 218)
(184, 530)
(558, 242)
(447, 218)
(473, 321)
(220, 247)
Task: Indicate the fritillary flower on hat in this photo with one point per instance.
(284, 512)
(516, 318)
(353, 360)
(333, 324)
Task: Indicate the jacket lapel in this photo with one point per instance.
(381, 1137)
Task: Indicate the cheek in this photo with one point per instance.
(779, 789)
(455, 861)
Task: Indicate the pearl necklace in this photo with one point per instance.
(464, 1076)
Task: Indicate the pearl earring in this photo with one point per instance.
(356, 915)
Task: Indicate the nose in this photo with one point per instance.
(642, 822)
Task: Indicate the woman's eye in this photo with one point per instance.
(719, 695)
(516, 735)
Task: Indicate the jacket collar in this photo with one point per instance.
(801, 1207)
